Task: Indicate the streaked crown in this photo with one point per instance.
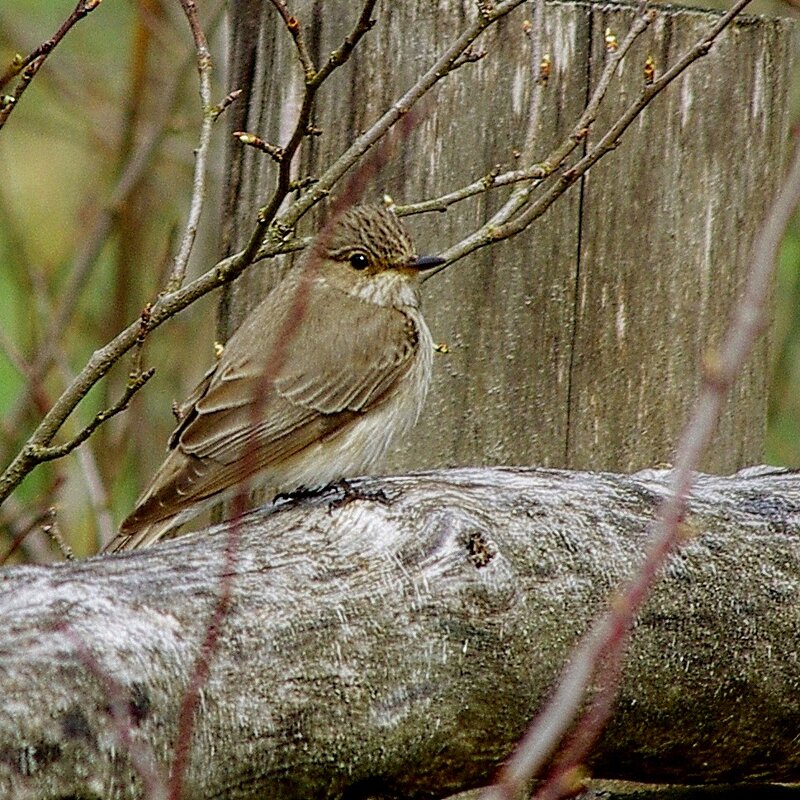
(371, 237)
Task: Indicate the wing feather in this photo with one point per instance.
(339, 362)
(326, 370)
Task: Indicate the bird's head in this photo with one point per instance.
(369, 253)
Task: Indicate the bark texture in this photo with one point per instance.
(399, 644)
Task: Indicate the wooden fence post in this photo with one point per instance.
(578, 343)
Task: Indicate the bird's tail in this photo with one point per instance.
(142, 535)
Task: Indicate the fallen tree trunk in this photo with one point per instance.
(400, 644)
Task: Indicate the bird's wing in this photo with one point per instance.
(186, 410)
(338, 362)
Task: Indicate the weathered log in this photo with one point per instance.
(400, 643)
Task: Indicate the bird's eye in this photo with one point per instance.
(359, 261)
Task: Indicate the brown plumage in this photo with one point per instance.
(352, 373)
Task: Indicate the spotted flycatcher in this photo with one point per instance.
(313, 386)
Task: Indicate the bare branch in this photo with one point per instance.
(210, 113)
(251, 140)
(278, 235)
(43, 453)
(52, 530)
(468, 57)
(492, 180)
(295, 29)
(438, 70)
(21, 532)
(364, 25)
(313, 82)
(540, 171)
(609, 634)
(95, 239)
(30, 65)
(503, 226)
(226, 101)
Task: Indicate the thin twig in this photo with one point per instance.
(98, 496)
(52, 530)
(468, 57)
(251, 140)
(226, 101)
(608, 634)
(210, 114)
(363, 25)
(492, 180)
(44, 453)
(295, 29)
(22, 532)
(26, 68)
(313, 82)
(292, 244)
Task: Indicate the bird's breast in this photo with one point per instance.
(358, 448)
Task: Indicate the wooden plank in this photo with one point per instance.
(577, 343)
(667, 222)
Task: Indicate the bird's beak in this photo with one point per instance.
(427, 262)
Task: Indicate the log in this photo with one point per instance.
(398, 641)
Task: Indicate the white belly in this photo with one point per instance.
(358, 448)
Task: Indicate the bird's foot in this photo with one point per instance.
(300, 494)
(344, 490)
(350, 494)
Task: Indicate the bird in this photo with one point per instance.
(331, 366)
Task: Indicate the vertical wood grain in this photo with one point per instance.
(577, 343)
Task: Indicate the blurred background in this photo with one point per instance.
(95, 178)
